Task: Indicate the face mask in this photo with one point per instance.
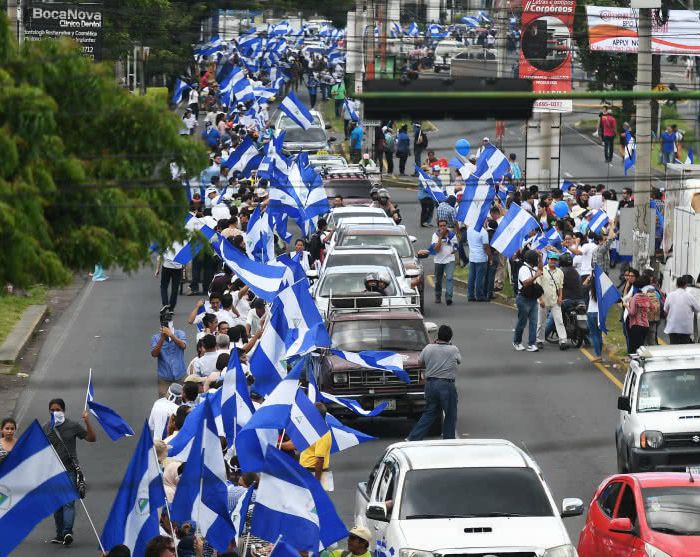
(58, 418)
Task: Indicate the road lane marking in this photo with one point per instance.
(604, 370)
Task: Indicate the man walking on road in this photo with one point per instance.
(479, 258)
(443, 247)
(170, 275)
(441, 360)
(609, 128)
(680, 308)
(63, 432)
(168, 345)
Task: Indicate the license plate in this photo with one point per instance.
(321, 152)
(582, 318)
(390, 404)
(694, 470)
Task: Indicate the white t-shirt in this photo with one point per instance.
(587, 258)
(525, 273)
(205, 364)
(160, 414)
(254, 321)
(447, 250)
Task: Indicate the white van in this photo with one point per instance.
(659, 421)
(445, 51)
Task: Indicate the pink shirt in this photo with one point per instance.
(639, 307)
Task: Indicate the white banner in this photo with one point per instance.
(612, 29)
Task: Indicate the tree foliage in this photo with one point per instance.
(84, 174)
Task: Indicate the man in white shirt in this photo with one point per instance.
(479, 259)
(206, 363)
(256, 316)
(162, 409)
(680, 308)
(443, 247)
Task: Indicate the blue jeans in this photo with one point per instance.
(527, 310)
(491, 277)
(667, 158)
(65, 516)
(440, 396)
(594, 334)
(449, 270)
(476, 285)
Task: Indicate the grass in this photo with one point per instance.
(462, 273)
(614, 342)
(12, 306)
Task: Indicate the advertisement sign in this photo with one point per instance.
(612, 29)
(545, 50)
(80, 22)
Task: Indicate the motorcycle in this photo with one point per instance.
(575, 323)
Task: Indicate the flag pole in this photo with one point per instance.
(87, 393)
(167, 508)
(93, 526)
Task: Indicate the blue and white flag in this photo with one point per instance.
(349, 109)
(287, 407)
(436, 31)
(376, 359)
(492, 165)
(283, 549)
(549, 238)
(264, 95)
(335, 58)
(471, 21)
(565, 185)
(630, 151)
(239, 514)
(181, 444)
(353, 405)
(599, 219)
(114, 425)
(395, 31)
(201, 494)
(213, 46)
(33, 485)
(242, 88)
(184, 252)
(179, 90)
(480, 190)
(134, 518)
(413, 30)
(690, 158)
(432, 186)
(259, 237)
(344, 437)
(297, 112)
(236, 404)
(244, 159)
(511, 231)
(304, 517)
(264, 280)
(607, 295)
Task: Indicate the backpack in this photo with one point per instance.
(389, 143)
(654, 313)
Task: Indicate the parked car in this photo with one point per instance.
(297, 139)
(462, 497)
(357, 326)
(659, 410)
(366, 235)
(643, 515)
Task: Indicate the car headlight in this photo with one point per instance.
(406, 552)
(340, 378)
(654, 551)
(567, 550)
(651, 439)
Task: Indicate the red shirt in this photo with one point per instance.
(609, 125)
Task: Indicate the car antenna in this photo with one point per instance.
(690, 473)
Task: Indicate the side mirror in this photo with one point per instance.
(413, 239)
(312, 274)
(621, 526)
(332, 138)
(431, 327)
(571, 507)
(422, 254)
(377, 511)
(412, 273)
(623, 403)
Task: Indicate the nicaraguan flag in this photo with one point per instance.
(33, 485)
(606, 294)
(265, 281)
(244, 159)
(213, 46)
(287, 407)
(471, 21)
(134, 518)
(565, 185)
(236, 405)
(690, 158)
(479, 190)
(512, 230)
(297, 112)
(305, 517)
(283, 549)
(492, 165)
(630, 152)
(353, 405)
(240, 512)
(436, 31)
(114, 425)
(413, 30)
(344, 437)
(335, 58)
(180, 88)
(599, 220)
(242, 88)
(201, 493)
(354, 116)
(376, 359)
(549, 238)
(259, 238)
(431, 186)
(184, 252)
(396, 31)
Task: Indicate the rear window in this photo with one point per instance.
(397, 335)
(401, 243)
(348, 188)
(336, 259)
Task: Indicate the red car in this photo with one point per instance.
(644, 515)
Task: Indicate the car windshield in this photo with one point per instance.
(380, 334)
(346, 283)
(348, 188)
(467, 492)
(673, 510)
(337, 258)
(296, 134)
(401, 243)
(669, 390)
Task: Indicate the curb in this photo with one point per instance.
(20, 335)
(498, 297)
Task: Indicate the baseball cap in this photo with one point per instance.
(194, 378)
(553, 255)
(485, 139)
(174, 392)
(362, 533)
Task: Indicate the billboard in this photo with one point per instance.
(612, 29)
(80, 22)
(545, 50)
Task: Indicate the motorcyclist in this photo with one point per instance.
(572, 290)
(373, 285)
(384, 282)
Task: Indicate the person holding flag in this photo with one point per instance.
(63, 433)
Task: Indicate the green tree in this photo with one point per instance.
(84, 174)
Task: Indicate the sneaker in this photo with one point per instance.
(532, 348)
(563, 346)
(448, 302)
(540, 345)
(57, 540)
(68, 539)
(518, 346)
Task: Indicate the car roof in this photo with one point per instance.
(357, 269)
(463, 453)
(670, 357)
(374, 229)
(364, 249)
(358, 209)
(665, 479)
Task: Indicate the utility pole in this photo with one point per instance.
(14, 16)
(500, 7)
(642, 178)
